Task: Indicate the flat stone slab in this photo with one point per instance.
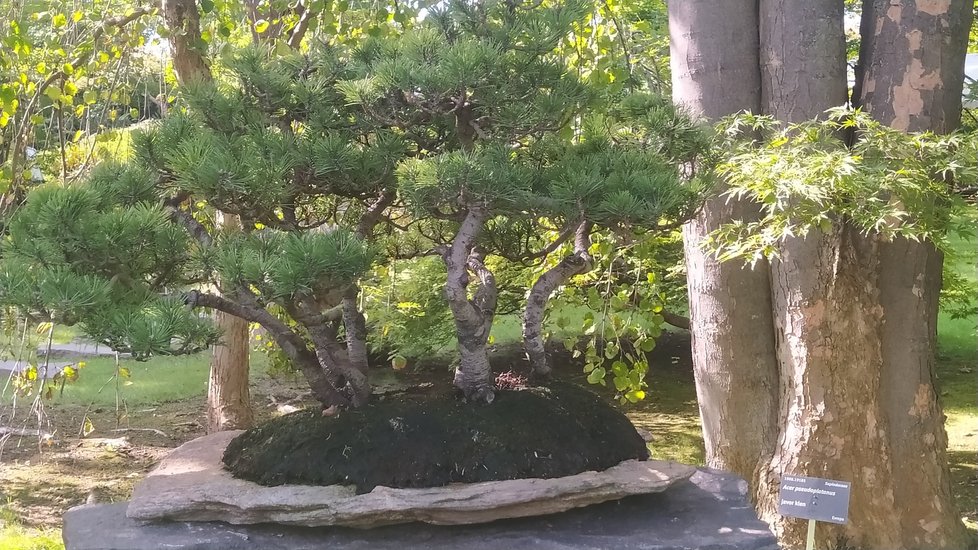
(192, 485)
(710, 511)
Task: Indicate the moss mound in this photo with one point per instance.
(431, 441)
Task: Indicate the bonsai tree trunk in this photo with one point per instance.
(246, 306)
(715, 72)
(578, 262)
(910, 77)
(353, 320)
(473, 317)
(356, 331)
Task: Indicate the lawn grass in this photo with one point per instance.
(158, 380)
(15, 536)
(957, 379)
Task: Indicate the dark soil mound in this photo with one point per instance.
(431, 441)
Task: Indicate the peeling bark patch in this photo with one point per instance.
(894, 12)
(914, 38)
(921, 402)
(907, 98)
(934, 7)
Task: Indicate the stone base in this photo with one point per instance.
(191, 484)
(710, 511)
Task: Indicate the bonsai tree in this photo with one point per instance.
(480, 84)
(126, 252)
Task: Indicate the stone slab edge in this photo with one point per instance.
(192, 485)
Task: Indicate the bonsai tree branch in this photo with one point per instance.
(292, 344)
(578, 262)
(331, 354)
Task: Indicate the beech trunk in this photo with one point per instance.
(714, 57)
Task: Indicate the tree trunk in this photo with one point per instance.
(356, 331)
(473, 317)
(714, 53)
(228, 396)
(827, 313)
(911, 77)
(578, 262)
(228, 402)
(183, 22)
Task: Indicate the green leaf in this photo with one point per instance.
(635, 396)
(206, 6)
(597, 375)
(53, 93)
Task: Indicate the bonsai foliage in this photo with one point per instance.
(501, 120)
(123, 252)
(621, 175)
(464, 138)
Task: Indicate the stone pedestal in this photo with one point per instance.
(709, 511)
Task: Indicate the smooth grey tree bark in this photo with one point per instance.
(714, 60)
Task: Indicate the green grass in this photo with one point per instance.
(158, 380)
(14, 536)
(957, 364)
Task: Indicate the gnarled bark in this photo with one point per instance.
(355, 325)
(578, 262)
(714, 57)
(473, 317)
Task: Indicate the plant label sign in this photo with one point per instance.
(814, 498)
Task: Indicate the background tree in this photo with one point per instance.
(816, 302)
(228, 393)
(887, 73)
(715, 72)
